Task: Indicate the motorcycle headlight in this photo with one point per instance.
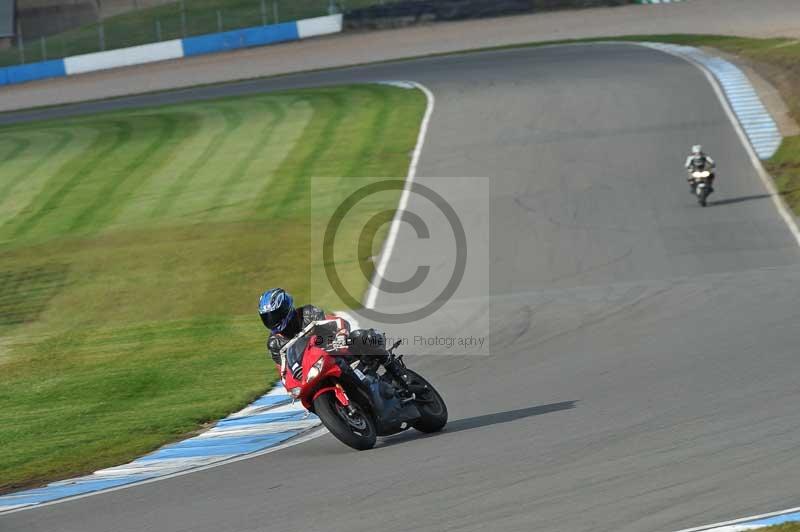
(295, 392)
(315, 370)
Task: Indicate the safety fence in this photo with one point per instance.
(405, 12)
(54, 29)
(173, 49)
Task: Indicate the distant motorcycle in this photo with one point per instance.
(700, 179)
(700, 185)
(359, 397)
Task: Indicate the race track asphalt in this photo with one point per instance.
(643, 367)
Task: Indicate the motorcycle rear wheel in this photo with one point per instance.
(356, 429)
(431, 405)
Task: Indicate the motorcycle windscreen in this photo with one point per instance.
(296, 350)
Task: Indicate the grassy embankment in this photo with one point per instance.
(133, 248)
(786, 527)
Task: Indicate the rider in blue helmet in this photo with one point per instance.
(277, 311)
(279, 315)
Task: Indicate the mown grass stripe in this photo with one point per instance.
(233, 119)
(102, 148)
(329, 113)
(239, 170)
(20, 145)
(377, 132)
(64, 138)
(109, 198)
(187, 123)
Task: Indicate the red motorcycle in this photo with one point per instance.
(359, 397)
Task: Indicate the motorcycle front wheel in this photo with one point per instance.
(429, 403)
(353, 427)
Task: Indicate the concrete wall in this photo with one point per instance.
(175, 49)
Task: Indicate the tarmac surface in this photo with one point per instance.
(747, 18)
(643, 350)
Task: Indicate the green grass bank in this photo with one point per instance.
(134, 246)
(785, 527)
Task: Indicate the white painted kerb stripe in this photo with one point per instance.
(136, 55)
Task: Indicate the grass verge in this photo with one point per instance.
(134, 245)
(785, 527)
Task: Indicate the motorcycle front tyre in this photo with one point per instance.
(356, 430)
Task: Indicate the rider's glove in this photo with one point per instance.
(297, 370)
(340, 341)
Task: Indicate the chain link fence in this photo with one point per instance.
(405, 12)
(53, 29)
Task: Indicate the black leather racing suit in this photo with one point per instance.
(701, 162)
(302, 317)
(360, 341)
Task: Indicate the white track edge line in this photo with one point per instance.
(742, 521)
(391, 239)
(766, 179)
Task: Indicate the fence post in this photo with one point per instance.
(20, 43)
(219, 21)
(44, 48)
(183, 20)
(101, 34)
(158, 29)
(275, 17)
(263, 12)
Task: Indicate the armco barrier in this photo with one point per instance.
(231, 40)
(135, 55)
(149, 53)
(33, 71)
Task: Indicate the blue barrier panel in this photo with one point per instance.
(231, 40)
(41, 70)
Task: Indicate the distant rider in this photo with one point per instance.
(279, 315)
(698, 161)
